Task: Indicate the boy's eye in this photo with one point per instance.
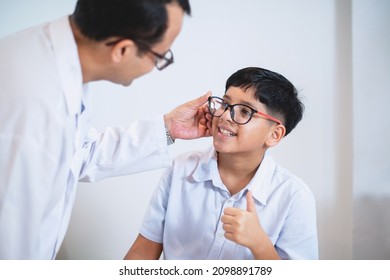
(245, 111)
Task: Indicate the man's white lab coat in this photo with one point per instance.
(47, 143)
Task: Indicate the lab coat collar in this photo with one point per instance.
(68, 63)
(260, 185)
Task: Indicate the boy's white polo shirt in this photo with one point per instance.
(186, 209)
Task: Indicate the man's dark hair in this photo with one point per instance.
(273, 90)
(144, 21)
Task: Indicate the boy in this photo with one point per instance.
(234, 201)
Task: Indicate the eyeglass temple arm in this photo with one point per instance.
(269, 117)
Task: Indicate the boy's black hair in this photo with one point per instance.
(273, 90)
(140, 20)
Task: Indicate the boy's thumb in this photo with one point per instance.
(250, 203)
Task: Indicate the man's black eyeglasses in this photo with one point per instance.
(162, 60)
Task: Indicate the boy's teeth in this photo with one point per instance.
(226, 132)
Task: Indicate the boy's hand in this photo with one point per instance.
(243, 226)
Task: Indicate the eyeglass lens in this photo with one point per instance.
(240, 114)
(165, 60)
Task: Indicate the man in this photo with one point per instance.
(46, 139)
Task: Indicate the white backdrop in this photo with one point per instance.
(337, 53)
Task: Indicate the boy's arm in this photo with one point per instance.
(243, 227)
(144, 249)
(264, 250)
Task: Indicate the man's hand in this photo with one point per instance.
(189, 120)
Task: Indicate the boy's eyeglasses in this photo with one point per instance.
(240, 113)
(162, 60)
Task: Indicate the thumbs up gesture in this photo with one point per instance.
(243, 226)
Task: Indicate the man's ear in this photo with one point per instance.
(276, 134)
(122, 50)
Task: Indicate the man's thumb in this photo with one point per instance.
(200, 100)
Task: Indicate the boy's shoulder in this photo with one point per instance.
(192, 157)
(283, 177)
(193, 162)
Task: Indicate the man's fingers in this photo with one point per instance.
(200, 101)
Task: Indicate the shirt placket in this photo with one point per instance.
(220, 240)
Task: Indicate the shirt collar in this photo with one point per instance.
(68, 63)
(207, 168)
(260, 185)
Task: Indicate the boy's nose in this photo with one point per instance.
(227, 115)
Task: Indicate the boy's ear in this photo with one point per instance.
(122, 50)
(276, 134)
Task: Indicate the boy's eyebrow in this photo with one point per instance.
(226, 96)
(242, 102)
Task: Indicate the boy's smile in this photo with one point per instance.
(226, 131)
(250, 138)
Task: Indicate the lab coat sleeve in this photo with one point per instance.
(115, 152)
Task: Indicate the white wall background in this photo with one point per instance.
(337, 53)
